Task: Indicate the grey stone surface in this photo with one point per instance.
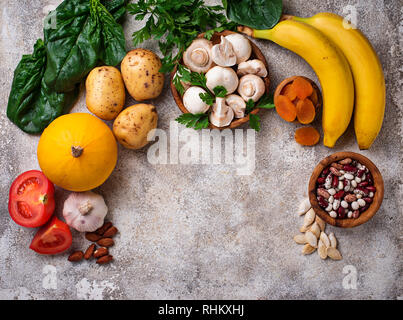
(202, 231)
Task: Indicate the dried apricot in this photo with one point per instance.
(307, 136)
(305, 111)
(285, 108)
(289, 92)
(302, 88)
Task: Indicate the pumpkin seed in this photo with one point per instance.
(311, 239)
(315, 229)
(304, 206)
(309, 217)
(334, 254)
(320, 222)
(333, 240)
(300, 239)
(307, 249)
(325, 239)
(322, 250)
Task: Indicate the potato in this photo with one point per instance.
(140, 70)
(133, 124)
(105, 92)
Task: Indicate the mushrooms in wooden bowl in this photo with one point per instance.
(235, 74)
(346, 189)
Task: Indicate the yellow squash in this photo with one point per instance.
(77, 152)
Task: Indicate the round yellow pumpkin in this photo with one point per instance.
(77, 152)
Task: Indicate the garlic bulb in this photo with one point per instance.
(197, 56)
(85, 211)
(251, 87)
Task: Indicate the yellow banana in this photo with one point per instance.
(330, 65)
(367, 73)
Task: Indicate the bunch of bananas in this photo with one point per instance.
(348, 69)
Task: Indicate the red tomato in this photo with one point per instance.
(52, 238)
(31, 200)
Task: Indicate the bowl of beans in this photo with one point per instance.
(346, 189)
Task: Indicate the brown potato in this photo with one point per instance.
(105, 92)
(133, 124)
(140, 70)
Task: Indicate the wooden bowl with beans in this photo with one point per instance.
(346, 189)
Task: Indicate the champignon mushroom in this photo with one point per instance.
(222, 76)
(241, 45)
(197, 56)
(221, 114)
(223, 54)
(251, 87)
(237, 104)
(254, 66)
(192, 101)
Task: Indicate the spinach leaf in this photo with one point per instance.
(85, 33)
(257, 14)
(32, 105)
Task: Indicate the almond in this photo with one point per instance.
(90, 250)
(100, 252)
(105, 242)
(105, 259)
(110, 232)
(105, 227)
(76, 256)
(92, 236)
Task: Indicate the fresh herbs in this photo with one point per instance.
(257, 14)
(265, 102)
(197, 121)
(77, 35)
(175, 24)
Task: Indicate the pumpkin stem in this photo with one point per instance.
(76, 151)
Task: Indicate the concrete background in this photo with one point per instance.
(202, 231)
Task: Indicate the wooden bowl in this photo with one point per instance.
(283, 83)
(364, 216)
(256, 54)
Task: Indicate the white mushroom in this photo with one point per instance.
(241, 45)
(222, 76)
(221, 114)
(197, 56)
(251, 87)
(223, 54)
(85, 211)
(254, 66)
(237, 104)
(192, 101)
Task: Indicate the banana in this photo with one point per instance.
(367, 74)
(330, 65)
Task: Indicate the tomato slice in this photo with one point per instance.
(52, 238)
(31, 199)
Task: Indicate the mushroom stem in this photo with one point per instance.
(76, 151)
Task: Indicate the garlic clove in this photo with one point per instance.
(254, 66)
(237, 104)
(223, 54)
(221, 114)
(197, 56)
(251, 87)
(85, 211)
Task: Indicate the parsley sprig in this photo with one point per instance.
(175, 24)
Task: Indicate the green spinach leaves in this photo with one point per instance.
(257, 14)
(77, 36)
